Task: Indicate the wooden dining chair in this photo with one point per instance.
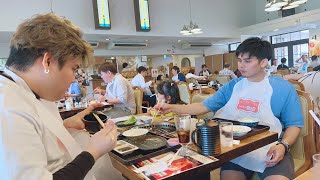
(284, 71)
(278, 74)
(305, 145)
(184, 92)
(297, 85)
(138, 97)
(197, 98)
(223, 79)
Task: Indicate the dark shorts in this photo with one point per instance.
(284, 168)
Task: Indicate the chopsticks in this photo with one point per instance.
(175, 155)
(99, 120)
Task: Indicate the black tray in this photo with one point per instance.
(254, 130)
(140, 155)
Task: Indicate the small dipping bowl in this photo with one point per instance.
(91, 123)
(250, 122)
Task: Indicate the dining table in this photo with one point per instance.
(311, 174)
(203, 172)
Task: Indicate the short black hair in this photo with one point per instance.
(124, 65)
(313, 58)
(141, 68)
(192, 71)
(283, 60)
(256, 47)
(176, 68)
(169, 88)
(203, 65)
(226, 65)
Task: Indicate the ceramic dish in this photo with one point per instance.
(251, 122)
(131, 121)
(124, 147)
(238, 130)
(135, 132)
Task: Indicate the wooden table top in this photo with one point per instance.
(227, 153)
(311, 174)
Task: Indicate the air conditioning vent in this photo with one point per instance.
(128, 45)
(94, 44)
(195, 45)
(288, 12)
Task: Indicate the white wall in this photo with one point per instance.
(160, 61)
(178, 58)
(4, 50)
(219, 49)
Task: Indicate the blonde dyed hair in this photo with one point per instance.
(46, 33)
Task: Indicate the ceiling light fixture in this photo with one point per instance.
(275, 5)
(192, 28)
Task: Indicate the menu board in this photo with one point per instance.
(101, 14)
(141, 9)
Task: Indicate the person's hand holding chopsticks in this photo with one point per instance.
(103, 141)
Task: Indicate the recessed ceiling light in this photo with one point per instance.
(179, 40)
(276, 30)
(146, 40)
(112, 57)
(107, 39)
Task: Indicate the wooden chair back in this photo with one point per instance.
(138, 97)
(184, 92)
(304, 147)
(297, 85)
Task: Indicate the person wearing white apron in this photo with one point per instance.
(35, 143)
(271, 100)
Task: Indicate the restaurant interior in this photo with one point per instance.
(163, 34)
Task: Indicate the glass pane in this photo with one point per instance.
(281, 52)
(296, 50)
(285, 37)
(305, 49)
(305, 34)
(295, 36)
(233, 47)
(276, 39)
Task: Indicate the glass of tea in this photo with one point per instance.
(182, 123)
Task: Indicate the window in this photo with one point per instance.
(298, 51)
(290, 46)
(294, 36)
(233, 47)
(281, 52)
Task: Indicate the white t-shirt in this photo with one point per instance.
(189, 75)
(138, 80)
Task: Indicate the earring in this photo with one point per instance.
(46, 71)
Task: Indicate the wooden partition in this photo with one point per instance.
(230, 58)
(214, 62)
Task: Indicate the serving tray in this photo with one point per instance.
(254, 130)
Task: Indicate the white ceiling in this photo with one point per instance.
(223, 21)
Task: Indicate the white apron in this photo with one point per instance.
(252, 99)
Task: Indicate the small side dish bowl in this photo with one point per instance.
(250, 122)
